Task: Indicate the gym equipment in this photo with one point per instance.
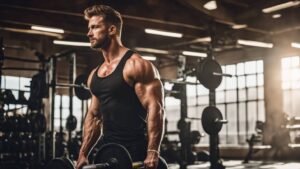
(82, 92)
(209, 73)
(39, 87)
(117, 155)
(212, 120)
(109, 156)
(71, 123)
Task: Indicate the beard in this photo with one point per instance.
(102, 43)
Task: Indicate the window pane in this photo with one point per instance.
(250, 67)
(295, 61)
(260, 66)
(295, 85)
(220, 97)
(242, 121)
(285, 63)
(203, 100)
(12, 82)
(251, 80)
(261, 111)
(260, 79)
(242, 95)
(230, 83)
(241, 82)
(252, 94)
(231, 96)
(285, 75)
(191, 101)
(191, 90)
(202, 90)
(252, 116)
(261, 94)
(286, 85)
(230, 69)
(287, 101)
(296, 105)
(231, 125)
(240, 69)
(24, 82)
(295, 74)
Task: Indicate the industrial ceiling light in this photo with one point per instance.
(151, 50)
(210, 5)
(47, 29)
(72, 43)
(275, 16)
(205, 39)
(295, 45)
(163, 33)
(151, 58)
(281, 6)
(190, 53)
(255, 43)
(239, 26)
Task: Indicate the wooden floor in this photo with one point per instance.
(235, 164)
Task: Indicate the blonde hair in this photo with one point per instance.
(110, 15)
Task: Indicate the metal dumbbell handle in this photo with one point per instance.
(221, 74)
(223, 121)
(138, 165)
(135, 165)
(96, 166)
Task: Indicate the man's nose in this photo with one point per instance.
(89, 33)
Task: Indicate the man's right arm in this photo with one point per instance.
(92, 128)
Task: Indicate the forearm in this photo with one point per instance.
(92, 132)
(155, 127)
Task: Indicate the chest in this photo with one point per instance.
(107, 69)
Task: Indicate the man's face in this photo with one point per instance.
(98, 32)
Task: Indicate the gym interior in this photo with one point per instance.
(230, 71)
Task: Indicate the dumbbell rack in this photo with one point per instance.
(20, 140)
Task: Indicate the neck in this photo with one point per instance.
(114, 50)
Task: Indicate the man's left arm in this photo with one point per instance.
(149, 90)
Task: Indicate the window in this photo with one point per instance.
(290, 67)
(16, 84)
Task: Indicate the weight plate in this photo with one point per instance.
(209, 118)
(205, 71)
(81, 92)
(114, 152)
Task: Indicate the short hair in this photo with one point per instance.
(109, 15)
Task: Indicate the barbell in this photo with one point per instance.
(208, 72)
(109, 156)
(39, 87)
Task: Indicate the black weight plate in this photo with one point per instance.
(205, 71)
(81, 92)
(209, 116)
(71, 123)
(60, 163)
(114, 151)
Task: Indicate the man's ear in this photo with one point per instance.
(112, 30)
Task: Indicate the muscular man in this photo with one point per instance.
(127, 94)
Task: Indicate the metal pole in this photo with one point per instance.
(52, 97)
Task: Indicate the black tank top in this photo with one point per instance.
(122, 113)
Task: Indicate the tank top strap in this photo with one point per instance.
(127, 55)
